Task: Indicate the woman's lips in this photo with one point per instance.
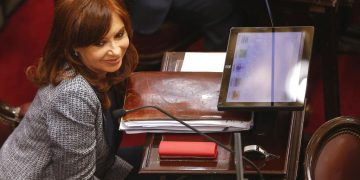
(113, 61)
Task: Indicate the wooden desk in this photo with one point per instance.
(279, 133)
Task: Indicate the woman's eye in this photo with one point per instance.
(120, 34)
(99, 44)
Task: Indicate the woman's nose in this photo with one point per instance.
(114, 48)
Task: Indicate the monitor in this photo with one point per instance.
(266, 68)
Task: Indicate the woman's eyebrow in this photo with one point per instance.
(122, 28)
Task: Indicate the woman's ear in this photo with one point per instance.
(76, 53)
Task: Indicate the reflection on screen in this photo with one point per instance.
(263, 65)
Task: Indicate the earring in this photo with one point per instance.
(76, 53)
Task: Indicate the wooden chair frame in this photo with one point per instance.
(326, 132)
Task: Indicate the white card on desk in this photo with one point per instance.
(203, 62)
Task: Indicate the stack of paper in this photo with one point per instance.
(173, 126)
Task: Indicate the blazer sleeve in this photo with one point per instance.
(71, 127)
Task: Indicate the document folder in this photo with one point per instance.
(189, 96)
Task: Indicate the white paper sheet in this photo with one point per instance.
(203, 62)
(181, 129)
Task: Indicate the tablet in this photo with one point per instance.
(266, 68)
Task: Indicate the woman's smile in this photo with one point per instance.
(114, 61)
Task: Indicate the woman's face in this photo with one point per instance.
(107, 55)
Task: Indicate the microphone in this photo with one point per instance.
(121, 112)
(118, 113)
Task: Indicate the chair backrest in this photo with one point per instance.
(170, 37)
(9, 119)
(333, 151)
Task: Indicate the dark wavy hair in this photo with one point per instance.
(80, 23)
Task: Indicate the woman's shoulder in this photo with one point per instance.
(70, 81)
(76, 84)
(75, 89)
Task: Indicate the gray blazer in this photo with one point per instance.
(61, 137)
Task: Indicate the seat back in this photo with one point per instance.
(6, 8)
(9, 119)
(333, 151)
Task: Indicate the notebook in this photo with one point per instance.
(189, 96)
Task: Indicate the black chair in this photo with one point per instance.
(349, 41)
(6, 8)
(170, 37)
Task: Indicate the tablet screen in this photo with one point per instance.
(266, 68)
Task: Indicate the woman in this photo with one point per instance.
(67, 133)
